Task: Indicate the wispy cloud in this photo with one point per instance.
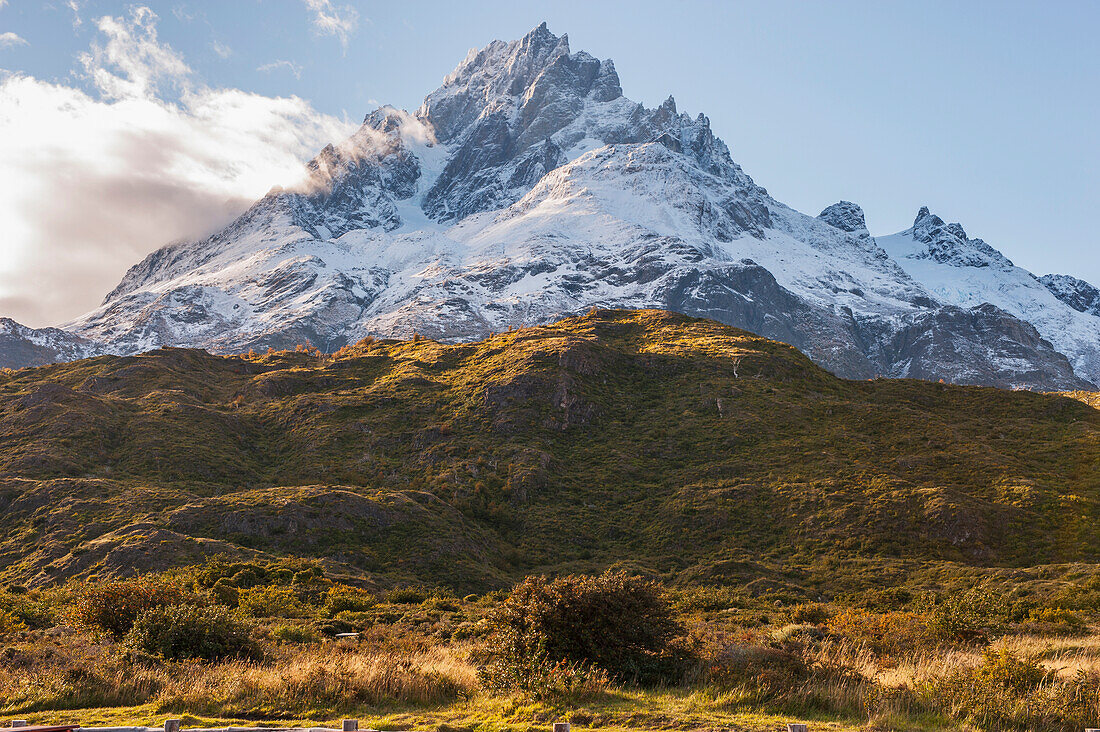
(74, 5)
(90, 182)
(182, 14)
(290, 66)
(221, 49)
(11, 40)
(329, 19)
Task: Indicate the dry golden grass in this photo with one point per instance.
(1065, 656)
(301, 682)
(296, 681)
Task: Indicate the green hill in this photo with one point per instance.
(678, 447)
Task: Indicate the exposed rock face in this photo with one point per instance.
(1078, 294)
(846, 216)
(528, 187)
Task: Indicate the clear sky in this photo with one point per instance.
(125, 125)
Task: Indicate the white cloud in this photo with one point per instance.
(290, 66)
(91, 182)
(10, 40)
(332, 20)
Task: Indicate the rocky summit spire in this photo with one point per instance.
(949, 244)
(515, 111)
(844, 215)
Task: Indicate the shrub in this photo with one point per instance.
(962, 616)
(444, 604)
(191, 631)
(225, 593)
(272, 602)
(798, 633)
(1054, 621)
(547, 680)
(890, 633)
(112, 607)
(1007, 692)
(810, 612)
(342, 598)
(757, 666)
(9, 623)
(294, 634)
(1011, 672)
(28, 610)
(406, 596)
(880, 600)
(703, 599)
(614, 622)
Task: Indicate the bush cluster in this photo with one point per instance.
(113, 607)
(967, 616)
(887, 634)
(178, 632)
(563, 633)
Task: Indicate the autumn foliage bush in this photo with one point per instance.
(112, 607)
(886, 634)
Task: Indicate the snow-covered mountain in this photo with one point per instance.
(22, 346)
(528, 187)
(968, 272)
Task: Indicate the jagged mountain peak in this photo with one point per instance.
(492, 79)
(949, 244)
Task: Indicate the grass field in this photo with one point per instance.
(416, 664)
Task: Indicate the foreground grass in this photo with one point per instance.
(614, 711)
(436, 688)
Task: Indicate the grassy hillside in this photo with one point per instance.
(677, 447)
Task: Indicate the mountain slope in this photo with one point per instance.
(968, 272)
(1078, 294)
(689, 449)
(21, 346)
(528, 187)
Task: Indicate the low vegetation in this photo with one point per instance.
(609, 651)
(632, 520)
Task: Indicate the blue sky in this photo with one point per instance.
(985, 111)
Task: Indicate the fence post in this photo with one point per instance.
(171, 725)
(792, 727)
(350, 725)
(561, 726)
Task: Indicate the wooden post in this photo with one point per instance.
(171, 725)
(561, 726)
(350, 725)
(792, 727)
